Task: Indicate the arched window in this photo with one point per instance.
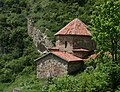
(65, 44)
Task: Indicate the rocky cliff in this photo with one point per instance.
(40, 39)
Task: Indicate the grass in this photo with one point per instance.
(26, 83)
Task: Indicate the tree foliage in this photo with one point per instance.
(106, 27)
(106, 32)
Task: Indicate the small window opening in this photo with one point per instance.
(65, 44)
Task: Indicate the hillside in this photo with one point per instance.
(18, 52)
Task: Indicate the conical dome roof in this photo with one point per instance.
(75, 27)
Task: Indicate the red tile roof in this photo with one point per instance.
(66, 56)
(93, 56)
(75, 27)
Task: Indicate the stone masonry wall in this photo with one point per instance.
(51, 66)
(81, 54)
(74, 42)
(61, 42)
(83, 42)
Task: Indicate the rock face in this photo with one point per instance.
(40, 39)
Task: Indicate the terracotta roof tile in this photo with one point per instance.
(75, 27)
(93, 56)
(66, 56)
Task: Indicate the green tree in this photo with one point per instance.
(106, 27)
(106, 32)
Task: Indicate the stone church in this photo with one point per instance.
(73, 47)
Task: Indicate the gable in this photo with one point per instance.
(50, 56)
